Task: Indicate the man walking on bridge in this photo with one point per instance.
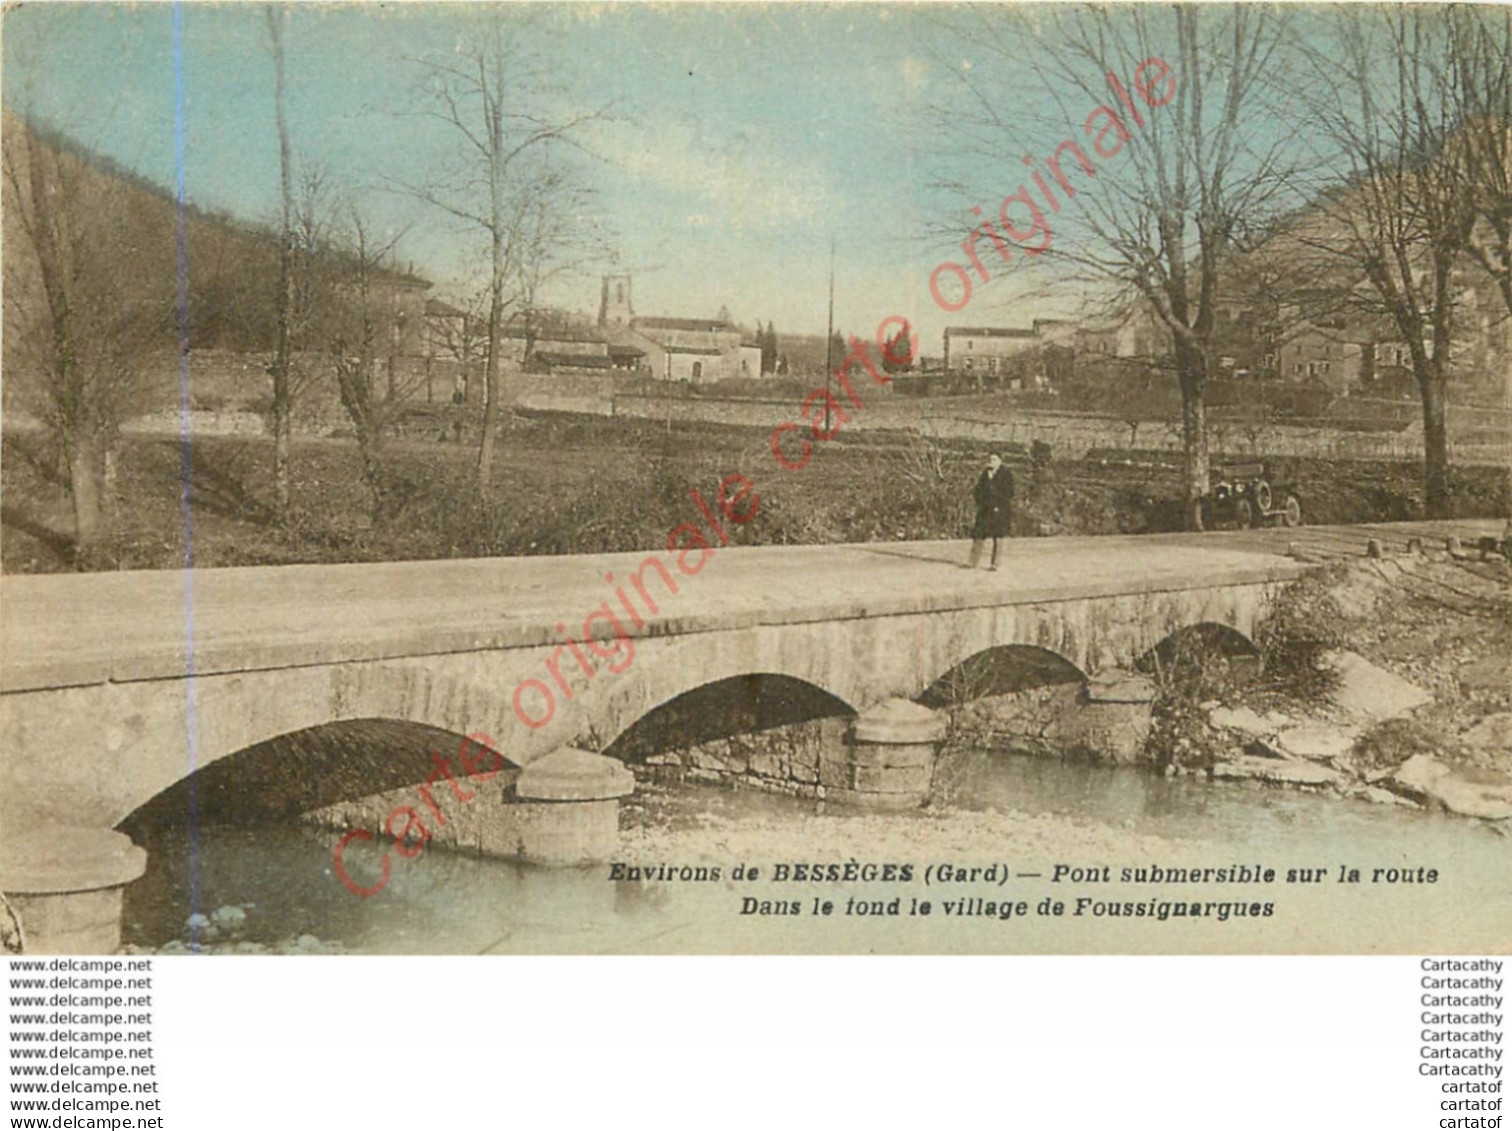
(993, 494)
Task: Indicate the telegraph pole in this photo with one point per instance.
(829, 342)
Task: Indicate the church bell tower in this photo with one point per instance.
(614, 305)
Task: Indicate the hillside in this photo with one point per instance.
(121, 242)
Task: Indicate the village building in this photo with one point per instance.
(985, 349)
(448, 332)
(619, 342)
(750, 359)
(699, 351)
(1324, 354)
(1055, 331)
(1322, 337)
(1299, 308)
(1133, 332)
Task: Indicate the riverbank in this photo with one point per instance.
(1387, 680)
(573, 485)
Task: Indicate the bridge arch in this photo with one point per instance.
(736, 705)
(1204, 643)
(1095, 634)
(296, 773)
(999, 670)
(130, 742)
(707, 660)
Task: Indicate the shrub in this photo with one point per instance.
(1304, 623)
(1192, 668)
(1390, 743)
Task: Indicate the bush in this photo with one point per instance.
(1193, 667)
(1304, 623)
(1390, 743)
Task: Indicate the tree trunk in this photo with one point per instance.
(1435, 444)
(282, 434)
(86, 503)
(491, 392)
(354, 382)
(110, 478)
(1193, 433)
(283, 393)
(370, 441)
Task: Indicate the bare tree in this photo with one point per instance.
(551, 237)
(464, 339)
(314, 268)
(279, 370)
(358, 332)
(1480, 43)
(1398, 222)
(491, 95)
(1193, 171)
(342, 313)
(84, 307)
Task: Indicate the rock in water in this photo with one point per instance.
(1243, 720)
(1275, 770)
(200, 926)
(1470, 793)
(1318, 742)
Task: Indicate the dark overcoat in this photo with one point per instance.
(994, 504)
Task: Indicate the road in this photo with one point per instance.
(69, 629)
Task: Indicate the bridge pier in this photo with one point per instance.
(566, 808)
(1110, 720)
(561, 809)
(65, 886)
(890, 760)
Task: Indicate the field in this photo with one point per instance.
(585, 484)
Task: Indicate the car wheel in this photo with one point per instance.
(1263, 496)
(1244, 515)
(1291, 510)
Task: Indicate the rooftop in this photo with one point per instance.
(987, 332)
(707, 325)
(435, 308)
(570, 360)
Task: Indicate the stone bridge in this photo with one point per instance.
(114, 687)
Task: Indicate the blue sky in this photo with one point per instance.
(744, 137)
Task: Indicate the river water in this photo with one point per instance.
(1027, 815)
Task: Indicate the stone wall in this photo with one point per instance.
(1069, 435)
(465, 826)
(200, 422)
(1064, 720)
(747, 411)
(581, 393)
(800, 759)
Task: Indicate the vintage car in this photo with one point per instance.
(1243, 495)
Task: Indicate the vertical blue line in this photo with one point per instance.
(185, 502)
